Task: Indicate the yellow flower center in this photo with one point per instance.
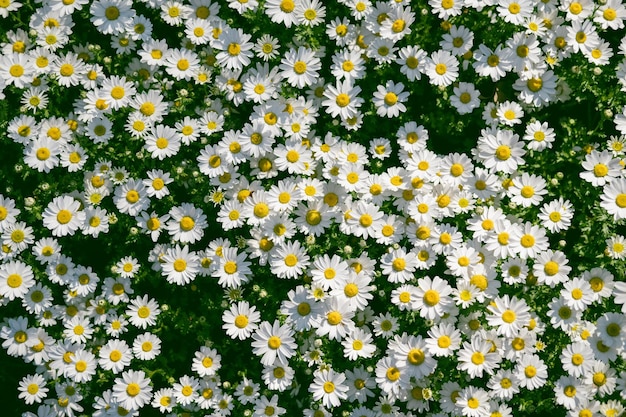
(508, 316)
(431, 297)
(390, 99)
(274, 342)
(334, 318)
(342, 100)
(527, 241)
(416, 357)
(551, 268)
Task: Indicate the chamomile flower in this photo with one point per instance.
(528, 190)
(143, 312)
(443, 339)
(62, 216)
(274, 343)
(111, 17)
(442, 68)
(358, 344)
(432, 297)
(146, 346)
(389, 99)
(15, 279)
(446, 8)
(531, 372)
(539, 136)
(329, 387)
(133, 390)
(240, 320)
(179, 265)
(508, 314)
(342, 100)
(235, 49)
(412, 61)
(32, 389)
(281, 11)
(614, 198)
(186, 223)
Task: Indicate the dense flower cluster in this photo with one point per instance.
(281, 154)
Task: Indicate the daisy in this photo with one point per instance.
(281, 11)
(443, 340)
(266, 47)
(539, 136)
(600, 378)
(328, 271)
(601, 168)
(73, 157)
(501, 150)
(473, 402)
(83, 366)
(111, 16)
(32, 389)
(342, 100)
(432, 299)
(300, 308)
(16, 278)
(180, 266)
(187, 223)
(411, 356)
(181, 64)
(42, 154)
(385, 325)
(611, 328)
(569, 391)
(289, 260)
(132, 391)
(364, 219)
(146, 346)
(614, 198)
(328, 386)
(240, 320)
(412, 61)
(38, 299)
(465, 98)
(131, 198)
(477, 357)
(143, 312)
(335, 321)
(268, 407)
(615, 246)
(247, 391)
(531, 372)
(354, 290)
(300, 67)
(550, 268)
(446, 8)
(577, 358)
(293, 157)
(358, 344)
(556, 215)
(528, 190)
(537, 88)
(235, 49)
(62, 216)
(509, 315)
(16, 69)
(610, 15)
(278, 377)
(399, 265)
(274, 343)
(162, 142)
(348, 65)
(388, 99)
(152, 223)
(442, 68)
